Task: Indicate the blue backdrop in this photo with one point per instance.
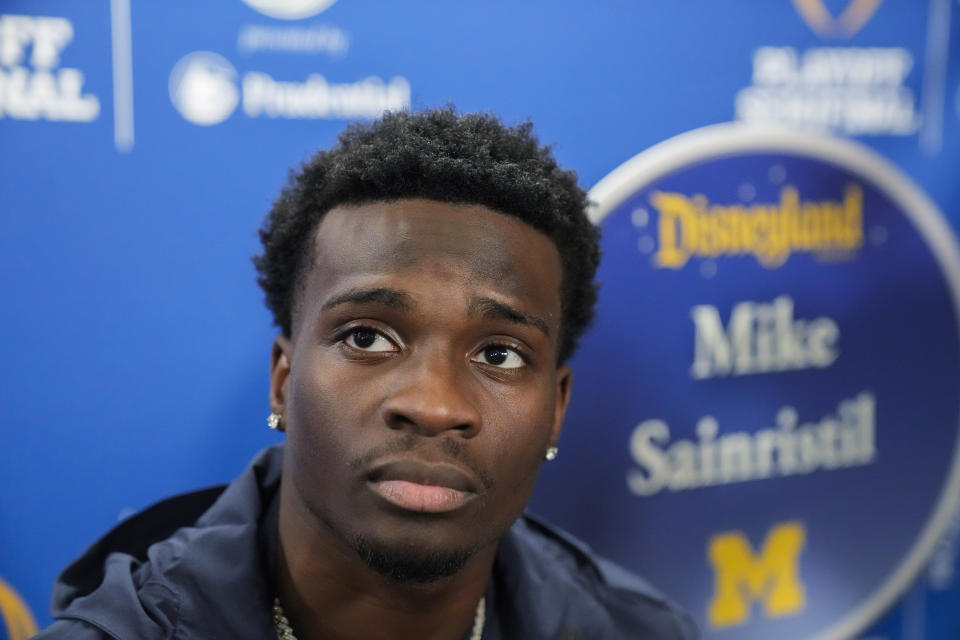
(143, 142)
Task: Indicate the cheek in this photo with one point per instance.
(521, 444)
(321, 423)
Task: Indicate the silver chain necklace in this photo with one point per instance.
(285, 631)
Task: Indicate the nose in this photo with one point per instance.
(434, 394)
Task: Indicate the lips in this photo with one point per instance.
(413, 485)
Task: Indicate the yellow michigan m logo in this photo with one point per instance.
(742, 577)
(16, 614)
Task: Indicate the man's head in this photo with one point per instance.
(423, 275)
(437, 155)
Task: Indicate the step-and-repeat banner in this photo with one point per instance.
(766, 412)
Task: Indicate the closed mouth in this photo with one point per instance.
(415, 485)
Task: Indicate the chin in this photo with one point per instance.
(407, 563)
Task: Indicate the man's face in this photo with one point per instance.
(420, 388)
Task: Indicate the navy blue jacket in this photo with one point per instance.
(200, 565)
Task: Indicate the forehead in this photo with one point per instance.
(470, 243)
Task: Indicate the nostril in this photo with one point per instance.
(397, 420)
(405, 412)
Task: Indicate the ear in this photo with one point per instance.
(280, 355)
(564, 383)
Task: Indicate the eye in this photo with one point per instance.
(367, 339)
(501, 356)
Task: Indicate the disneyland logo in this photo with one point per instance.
(693, 226)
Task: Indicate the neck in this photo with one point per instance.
(329, 593)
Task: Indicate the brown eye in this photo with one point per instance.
(367, 339)
(501, 356)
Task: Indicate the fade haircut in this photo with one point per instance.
(437, 155)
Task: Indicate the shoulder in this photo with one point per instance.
(72, 630)
(598, 598)
(162, 569)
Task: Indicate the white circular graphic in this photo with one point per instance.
(718, 141)
(289, 9)
(203, 88)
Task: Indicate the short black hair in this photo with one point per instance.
(444, 156)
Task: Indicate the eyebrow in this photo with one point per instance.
(387, 297)
(485, 307)
(490, 308)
